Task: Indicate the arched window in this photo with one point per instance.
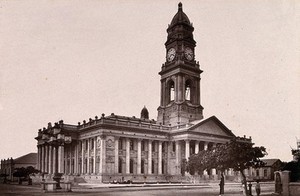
(171, 90)
(143, 166)
(120, 165)
(188, 90)
(131, 166)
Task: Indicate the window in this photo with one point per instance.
(143, 166)
(265, 173)
(163, 166)
(173, 146)
(164, 147)
(86, 145)
(153, 146)
(171, 91)
(153, 167)
(143, 145)
(257, 172)
(92, 143)
(131, 145)
(188, 90)
(131, 166)
(120, 144)
(120, 165)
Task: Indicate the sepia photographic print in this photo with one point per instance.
(160, 97)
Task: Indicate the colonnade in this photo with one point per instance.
(88, 156)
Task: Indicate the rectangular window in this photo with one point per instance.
(265, 173)
(153, 146)
(174, 146)
(257, 172)
(143, 145)
(92, 143)
(120, 144)
(131, 145)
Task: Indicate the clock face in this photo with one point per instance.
(188, 53)
(171, 54)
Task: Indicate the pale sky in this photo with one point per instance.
(73, 60)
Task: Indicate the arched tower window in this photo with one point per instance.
(171, 91)
(188, 84)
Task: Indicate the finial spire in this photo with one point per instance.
(179, 6)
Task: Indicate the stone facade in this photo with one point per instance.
(118, 148)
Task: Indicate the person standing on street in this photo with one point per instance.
(257, 188)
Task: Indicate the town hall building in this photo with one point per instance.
(118, 148)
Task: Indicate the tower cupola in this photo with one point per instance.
(180, 17)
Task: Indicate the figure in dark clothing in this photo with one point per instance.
(222, 184)
(257, 188)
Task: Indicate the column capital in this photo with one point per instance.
(139, 139)
(187, 140)
(117, 137)
(103, 137)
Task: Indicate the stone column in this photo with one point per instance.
(46, 158)
(71, 158)
(181, 92)
(43, 158)
(76, 158)
(187, 149)
(150, 157)
(127, 160)
(82, 157)
(94, 161)
(196, 147)
(139, 156)
(159, 157)
(116, 155)
(214, 171)
(61, 158)
(38, 157)
(205, 145)
(102, 164)
(54, 150)
(177, 157)
(88, 156)
(50, 160)
(205, 148)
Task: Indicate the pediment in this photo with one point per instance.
(212, 126)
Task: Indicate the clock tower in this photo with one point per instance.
(180, 75)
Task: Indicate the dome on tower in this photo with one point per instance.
(144, 113)
(180, 17)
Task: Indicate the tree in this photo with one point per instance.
(236, 154)
(294, 168)
(24, 172)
